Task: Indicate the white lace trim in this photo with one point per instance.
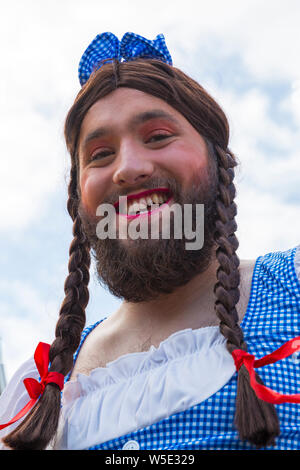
(176, 346)
(139, 389)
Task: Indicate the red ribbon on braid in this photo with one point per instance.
(34, 388)
(248, 360)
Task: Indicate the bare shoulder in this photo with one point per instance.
(246, 269)
(93, 351)
(108, 341)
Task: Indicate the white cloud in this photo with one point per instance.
(265, 224)
(26, 319)
(30, 168)
(292, 104)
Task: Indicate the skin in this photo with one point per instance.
(119, 161)
(131, 153)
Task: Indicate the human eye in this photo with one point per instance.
(100, 154)
(158, 136)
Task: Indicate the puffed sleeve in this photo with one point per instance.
(15, 396)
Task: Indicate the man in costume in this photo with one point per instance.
(173, 367)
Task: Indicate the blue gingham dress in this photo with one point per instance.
(271, 319)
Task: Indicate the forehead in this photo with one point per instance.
(121, 105)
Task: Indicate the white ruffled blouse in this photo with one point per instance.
(135, 390)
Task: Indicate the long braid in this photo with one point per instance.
(256, 420)
(72, 313)
(38, 428)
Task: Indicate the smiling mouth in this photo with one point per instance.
(143, 203)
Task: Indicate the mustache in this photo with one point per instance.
(178, 193)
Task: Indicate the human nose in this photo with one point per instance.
(133, 166)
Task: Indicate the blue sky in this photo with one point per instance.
(244, 53)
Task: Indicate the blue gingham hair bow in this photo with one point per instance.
(106, 47)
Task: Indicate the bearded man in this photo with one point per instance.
(173, 367)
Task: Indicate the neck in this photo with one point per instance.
(189, 306)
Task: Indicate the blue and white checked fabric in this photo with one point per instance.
(271, 319)
(106, 47)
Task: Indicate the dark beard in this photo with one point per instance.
(144, 269)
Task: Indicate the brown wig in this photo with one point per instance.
(255, 420)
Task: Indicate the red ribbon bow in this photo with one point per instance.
(34, 388)
(248, 360)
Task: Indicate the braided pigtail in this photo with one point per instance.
(255, 419)
(38, 428)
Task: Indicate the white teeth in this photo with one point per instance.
(134, 208)
(154, 198)
(159, 198)
(143, 201)
(140, 205)
(149, 200)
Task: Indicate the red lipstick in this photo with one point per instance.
(140, 195)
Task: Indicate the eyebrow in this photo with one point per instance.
(136, 120)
